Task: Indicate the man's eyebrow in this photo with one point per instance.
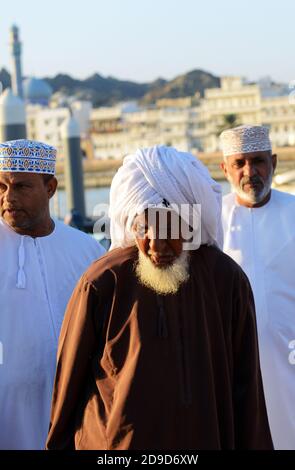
(20, 182)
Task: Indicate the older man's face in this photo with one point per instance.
(157, 234)
(250, 175)
(162, 265)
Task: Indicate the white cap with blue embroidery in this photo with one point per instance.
(27, 156)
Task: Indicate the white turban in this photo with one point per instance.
(159, 173)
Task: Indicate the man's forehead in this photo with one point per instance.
(16, 177)
(249, 155)
(153, 214)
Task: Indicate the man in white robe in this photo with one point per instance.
(259, 234)
(41, 261)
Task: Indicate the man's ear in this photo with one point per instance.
(223, 166)
(51, 186)
(274, 161)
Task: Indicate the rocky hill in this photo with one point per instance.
(109, 90)
(187, 84)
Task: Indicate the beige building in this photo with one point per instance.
(106, 132)
(193, 124)
(116, 132)
(189, 124)
(279, 114)
(233, 97)
(262, 103)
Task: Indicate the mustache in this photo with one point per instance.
(160, 255)
(251, 180)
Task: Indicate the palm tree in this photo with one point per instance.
(229, 121)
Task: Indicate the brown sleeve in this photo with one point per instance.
(251, 422)
(77, 342)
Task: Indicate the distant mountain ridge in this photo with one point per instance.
(187, 84)
(104, 91)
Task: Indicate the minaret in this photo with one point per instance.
(16, 76)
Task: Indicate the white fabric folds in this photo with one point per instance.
(262, 241)
(156, 173)
(38, 276)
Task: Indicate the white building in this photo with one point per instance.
(116, 131)
(43, 123)
(234, 97)
(262, 103)
(278, 113)
(189, 124)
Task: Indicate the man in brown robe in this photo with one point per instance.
(158, 348)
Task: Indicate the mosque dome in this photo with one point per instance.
(37, 91)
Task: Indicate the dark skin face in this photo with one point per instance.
(161, 251)
(24, 202)
(250, 172)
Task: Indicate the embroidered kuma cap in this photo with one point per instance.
(27, 156)
(245, 139)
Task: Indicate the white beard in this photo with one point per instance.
(163, 280)
(251, 196)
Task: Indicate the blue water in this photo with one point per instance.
(94, 196)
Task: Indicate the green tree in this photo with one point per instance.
(229, 121)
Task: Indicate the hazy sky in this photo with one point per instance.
(142, 40)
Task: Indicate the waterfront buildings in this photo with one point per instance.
(194, 124)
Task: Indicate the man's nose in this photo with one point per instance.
(9, 196)
(157, 245)
(249, 169)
